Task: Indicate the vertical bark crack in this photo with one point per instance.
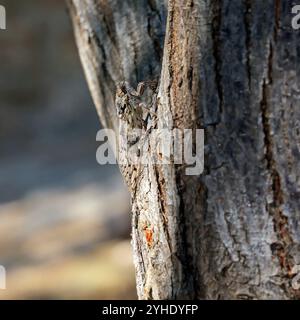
(247, 21)
(216, 29)
(277, 19)
(280, 221)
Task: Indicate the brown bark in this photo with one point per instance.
(230, 67)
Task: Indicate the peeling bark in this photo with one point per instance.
(232, 68)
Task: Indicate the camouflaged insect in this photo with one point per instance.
(133, 109)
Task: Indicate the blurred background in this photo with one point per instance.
(64, 219)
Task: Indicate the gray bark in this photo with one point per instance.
(230, 67)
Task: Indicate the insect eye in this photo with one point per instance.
(121, 109)
(122, 88)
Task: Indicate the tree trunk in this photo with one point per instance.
(230, 67)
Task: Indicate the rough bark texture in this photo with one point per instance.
(230, 67)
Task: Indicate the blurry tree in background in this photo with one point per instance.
(232, 68)
(64, 224)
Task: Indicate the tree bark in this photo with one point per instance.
(230, 67)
